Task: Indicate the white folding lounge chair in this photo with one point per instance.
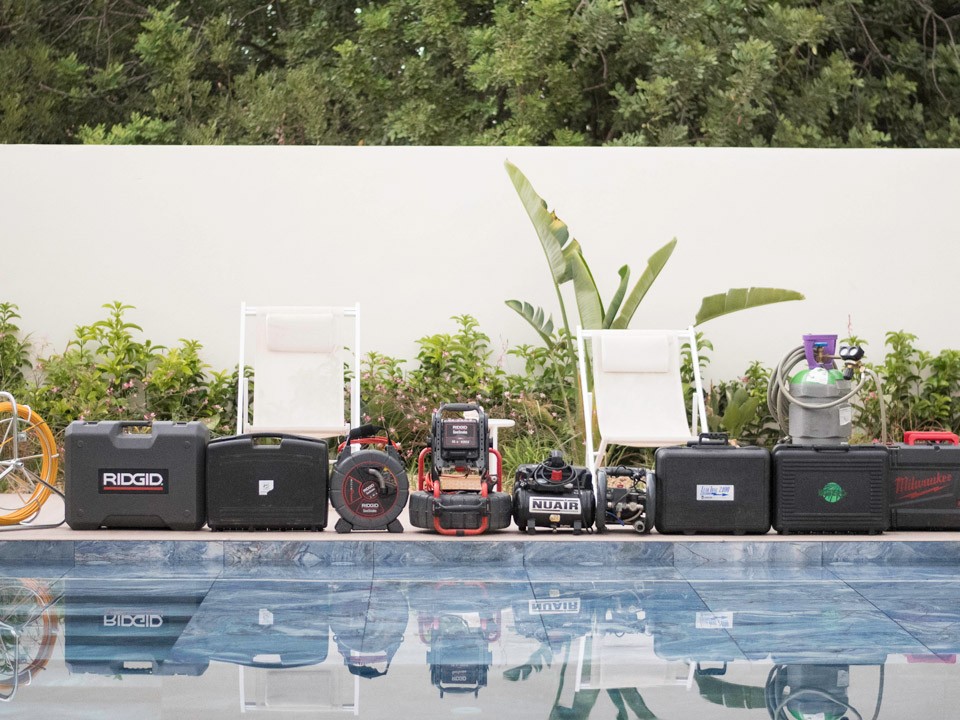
(299, 353)
(637, 389)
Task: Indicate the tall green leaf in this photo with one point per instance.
(737, 299)
(551, 230)
(536, 317)
(654, 266)
(589, 304)
(617, 298)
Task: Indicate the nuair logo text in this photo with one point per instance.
(554, 505)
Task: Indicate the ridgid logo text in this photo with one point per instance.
(133, 481)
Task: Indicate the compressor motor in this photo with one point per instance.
(626, 496)
(553, 494)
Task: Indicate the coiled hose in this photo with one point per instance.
(779, 398)
(37, 440)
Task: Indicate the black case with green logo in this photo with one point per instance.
(135, 474)
(830, 489)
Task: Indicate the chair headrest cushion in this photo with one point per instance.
(635, 353)
(313, 333)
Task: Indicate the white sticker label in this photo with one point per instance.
(714, 621)
(554, 607)
(266, 617)
(266, 486)
(846, 414)
(715, 492)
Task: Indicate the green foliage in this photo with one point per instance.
(457, 367)
(447, 72)
(14, 351)
(107, 373)
(922, 390)
(567, 264)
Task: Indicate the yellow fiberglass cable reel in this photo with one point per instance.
(28, 462)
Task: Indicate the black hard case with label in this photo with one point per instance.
(240, 470)
(710, 486)
(924, 485)
(175, 450)
(830, 489)
(129, 626)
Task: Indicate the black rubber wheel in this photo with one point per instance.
(369, 488)
(501, 510)
(651, 507)
(601, 515)
(421, 509)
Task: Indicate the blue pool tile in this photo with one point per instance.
(588, 571)
(294, 553)
(894, 553)
(928, 610)
(436, 572)
(745, 552)
(55, 552)
(569, 553)
(466, 552)
(147, 552)
(759, 573)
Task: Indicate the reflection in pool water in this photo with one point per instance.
(644, 643)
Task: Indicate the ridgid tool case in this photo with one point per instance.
(122, 474)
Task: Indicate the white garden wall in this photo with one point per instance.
(419, 234)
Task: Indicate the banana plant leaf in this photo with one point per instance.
(737, 299)
(552, 231)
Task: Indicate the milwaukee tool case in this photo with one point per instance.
(710, 486)
(826, 489)
(121, 474)
(129, 626)
(267, 482)
(924, 489)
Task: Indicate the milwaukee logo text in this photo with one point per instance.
(133, 481)
(908, 487)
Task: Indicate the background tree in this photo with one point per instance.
(834, 73)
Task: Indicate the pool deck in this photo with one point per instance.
(508, 548)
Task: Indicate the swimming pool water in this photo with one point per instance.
(506, 642)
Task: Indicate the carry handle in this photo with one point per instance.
(711, 438)
(913, 437)
(712, 671)
(459, 407)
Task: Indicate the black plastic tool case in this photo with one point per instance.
(129, 626)
(260, 623)
(827, 489)
(924, 483)
(267, 482)
(135, 474)
(710, 486)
